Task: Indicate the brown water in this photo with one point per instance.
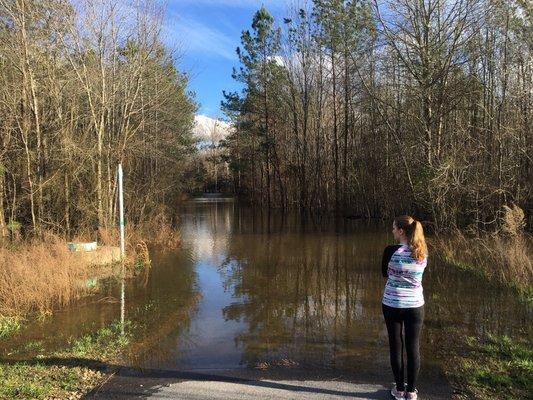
(251, 289)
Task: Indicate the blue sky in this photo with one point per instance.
(206, 34)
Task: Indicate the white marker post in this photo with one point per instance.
(122, 247)
(121, 212)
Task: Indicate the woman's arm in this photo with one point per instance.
(387, 254)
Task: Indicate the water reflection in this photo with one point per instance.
(165, 307)
(312, 298)
(253, 289)
(308, 290)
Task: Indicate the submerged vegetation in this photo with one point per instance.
(39, 276)
(42, 275)
(504, 256)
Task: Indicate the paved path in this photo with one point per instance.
(241, 385)
(279, 390)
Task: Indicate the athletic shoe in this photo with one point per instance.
(396, 394)
(411, 395)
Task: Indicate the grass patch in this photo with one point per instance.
(495, 367)
(41, 381)
(102, 345)
(34, 346)
(66, 374)
(8, 326)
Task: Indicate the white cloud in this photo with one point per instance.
(195, 36)
(272, 4)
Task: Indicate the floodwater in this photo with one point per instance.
(265, 290)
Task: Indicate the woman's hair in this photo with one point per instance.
(415, 235)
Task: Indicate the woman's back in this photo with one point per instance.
(404, 283)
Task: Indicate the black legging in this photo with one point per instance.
(411, 319)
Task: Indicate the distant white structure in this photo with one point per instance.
(210, 131)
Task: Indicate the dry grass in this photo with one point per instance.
(513, 221)
(142, 253)
(505, 255)
(158, 232)
(38, 276)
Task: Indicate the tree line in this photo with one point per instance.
(374, 108)
(86, 85)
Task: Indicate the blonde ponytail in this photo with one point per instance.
(417, 241)
(415, 236)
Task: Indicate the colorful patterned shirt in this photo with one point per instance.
(404, 283)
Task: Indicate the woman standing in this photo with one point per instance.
(403, 301)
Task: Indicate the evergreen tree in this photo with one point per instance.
(260, 73)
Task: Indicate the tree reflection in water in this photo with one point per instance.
(309, 291)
